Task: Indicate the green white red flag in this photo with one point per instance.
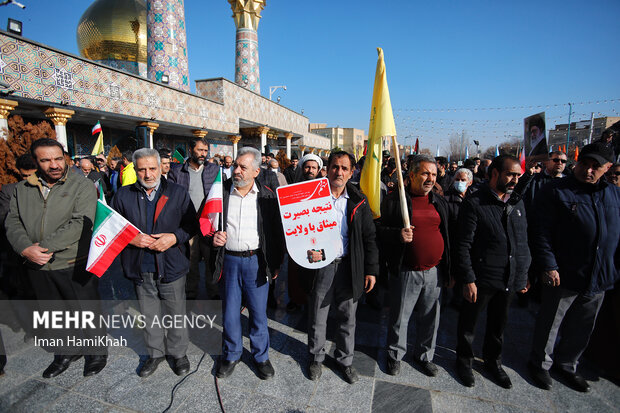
(112, 233)
(212, 208)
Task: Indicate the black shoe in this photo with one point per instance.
(574, 380)
(94, 364)
(225, 368)
(2, 364)
(59, 365)
(149, 366)
(465, 374)
(180, 366)
(540, 376)
(393, 366)
(291, 307)
(428, 367)
(349, 373)
(265, 369)
(498, 373)
(315, 370)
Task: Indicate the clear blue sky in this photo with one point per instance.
(439, 55)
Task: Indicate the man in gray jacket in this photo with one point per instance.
(50, 225)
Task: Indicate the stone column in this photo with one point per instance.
(289, 137)
(166, 42)
(235, 140)
(60, 117)
(246, 14)
(6, 107)
(151, 126)
(263, 137)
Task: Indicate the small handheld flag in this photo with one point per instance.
(416, 150)
(212, 208)
(111, 233)
(96, 129)
(98, 148)
(522, 160)
(496, 151)
(177, 157)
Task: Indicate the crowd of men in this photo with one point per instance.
(479, 233)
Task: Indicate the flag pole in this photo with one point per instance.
(401, 186)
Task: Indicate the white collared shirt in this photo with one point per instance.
(242, 225)
(340, 206)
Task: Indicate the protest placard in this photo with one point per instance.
(309, 221)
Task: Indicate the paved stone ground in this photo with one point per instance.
(118, 388)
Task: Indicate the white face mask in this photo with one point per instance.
(460, 186)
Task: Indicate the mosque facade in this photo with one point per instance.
(132, 76)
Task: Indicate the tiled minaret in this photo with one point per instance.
(167, 43)
(247, 15)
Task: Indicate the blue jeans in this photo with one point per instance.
(243, 277)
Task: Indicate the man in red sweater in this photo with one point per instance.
(419, 264)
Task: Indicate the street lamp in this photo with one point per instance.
(477, 143)
(272, 89)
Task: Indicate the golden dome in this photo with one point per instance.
(113, 30)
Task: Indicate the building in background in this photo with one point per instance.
(347, 139)
(580, 131)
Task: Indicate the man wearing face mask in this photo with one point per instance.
(576, 244)
(492, 260)
(419, 260)
(197, 176)
(156, 260)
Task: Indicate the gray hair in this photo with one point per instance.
(145, 153)
(467, 172)
(248, 150)
(416, 160)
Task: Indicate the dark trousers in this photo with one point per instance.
(332, 285)
(78, 289)
(497, 303)
(158, 299)
(199, 250)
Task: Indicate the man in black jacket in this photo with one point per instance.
(157, 259)
(493, 260)
(576, 245)
(197, 177)
(419, 257)
(348, 276)
(249, 253)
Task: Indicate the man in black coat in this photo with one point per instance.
(249, 251)
(197, 176)
(345, 279)
(576, 246)
(493, 260)
(157, 259)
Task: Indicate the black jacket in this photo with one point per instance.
(179, 174)
(270, 232)
(492, 247)
(577, 232)
(268, 178)
(363, 251)
(391, 223)
(176, 215)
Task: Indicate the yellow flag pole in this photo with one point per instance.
(401, 186)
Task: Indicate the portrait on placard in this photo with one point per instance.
(535, 136)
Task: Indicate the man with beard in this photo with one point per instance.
(576, 244)
(492, 259)
(156, 259)
(197, 176)
(309, 170)
(227, 170)
(50, 225)
(554, 168)
(249, 253)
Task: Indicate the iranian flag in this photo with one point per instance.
(212, 209)
(111, 234)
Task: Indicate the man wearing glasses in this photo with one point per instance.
(554, 168)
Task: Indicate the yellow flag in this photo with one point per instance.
(98, 145)
(381, 124)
